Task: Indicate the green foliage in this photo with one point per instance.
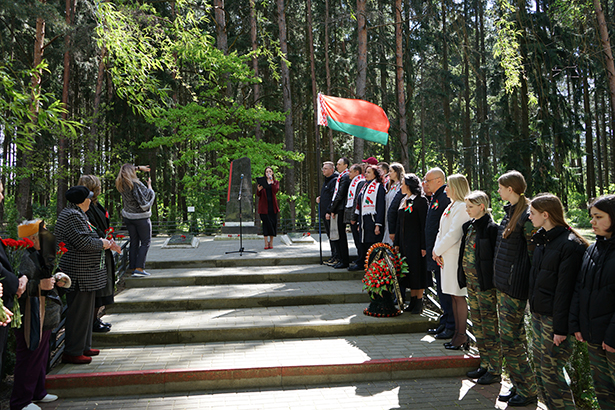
(507, 45)
(17, 101)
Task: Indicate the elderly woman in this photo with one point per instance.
(84, 262)
(99, 218)
(32, 340)
(138, 200)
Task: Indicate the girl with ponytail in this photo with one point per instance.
(511, 279)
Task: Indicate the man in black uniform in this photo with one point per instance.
(336, 211)
(326, 195)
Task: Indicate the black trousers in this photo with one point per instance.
(342, 244)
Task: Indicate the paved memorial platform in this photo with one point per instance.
(214, 330)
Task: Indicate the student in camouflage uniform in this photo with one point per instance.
(592, 311)
(511, 279)
(476, 272)
(555, 264)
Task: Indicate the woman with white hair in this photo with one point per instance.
(446, 254)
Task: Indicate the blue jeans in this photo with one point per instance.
(140, 231)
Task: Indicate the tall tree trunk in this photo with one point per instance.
(589, 143)
(23, 196)
(88, 166)
(599, 146)
(258, 133)
(399, 77)
(468, 151)
(288, 123)
(221, 38)
(62, 140)
(604, 136)
(446, 105)
(359, 144)
(608, 57)
(328, 75)
(315, 136)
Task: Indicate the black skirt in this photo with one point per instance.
(270, 224)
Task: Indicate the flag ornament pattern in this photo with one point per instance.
(355, 117)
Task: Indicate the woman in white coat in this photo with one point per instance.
(446, 254)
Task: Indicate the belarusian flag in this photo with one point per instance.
(355, 117)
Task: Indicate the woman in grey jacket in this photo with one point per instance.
(138, 200)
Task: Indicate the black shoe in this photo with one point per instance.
(489, 378)
(354, 267)
(98, 327)
(445, 334)
(340, 265)
(520, 401)
(464, 346)
(475, 374)
(435, 330)
(418, 307)
(105, 323)
(508, 396)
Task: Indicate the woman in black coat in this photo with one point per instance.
(592, 310)
(555, 264)
(410, 240)
(370, 211)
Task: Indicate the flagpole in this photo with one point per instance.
(318, 179)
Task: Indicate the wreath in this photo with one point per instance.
(383, 267)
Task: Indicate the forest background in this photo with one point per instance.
(186, 86)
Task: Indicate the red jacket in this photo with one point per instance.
(263, 206)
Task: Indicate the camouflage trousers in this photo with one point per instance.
(602, 365)
(549, 362)
(484, 314)
(514, 344)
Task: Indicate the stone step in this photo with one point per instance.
(201, 276)
(155, 369)
(237, 260)
(238, 296)
(214, 325)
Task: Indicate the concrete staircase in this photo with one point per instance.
(230, 324)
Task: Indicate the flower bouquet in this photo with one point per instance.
(14, 252)
(383, 268)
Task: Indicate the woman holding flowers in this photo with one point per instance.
(99, 218)
(84, 262)
(410, 240)
(12, 286)
(32, 339)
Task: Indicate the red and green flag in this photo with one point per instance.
(355, 117)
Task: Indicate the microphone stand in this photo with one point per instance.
(241, 251)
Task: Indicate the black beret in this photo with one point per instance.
(78, 194)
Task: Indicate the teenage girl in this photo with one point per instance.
(476, 272)
(511, 279)
(555, 264)
(592, 311)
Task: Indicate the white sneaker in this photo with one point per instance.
(47, 399)
(31, 406)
